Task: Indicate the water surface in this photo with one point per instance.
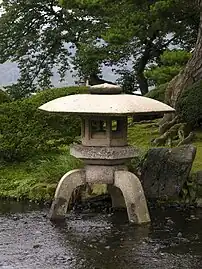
(97, 240)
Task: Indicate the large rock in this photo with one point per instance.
(165, 170)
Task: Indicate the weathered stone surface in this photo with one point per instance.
(134, 197)
(103, 155)
(105, 135)
(105, 104)
(68, 183)
(165, 170)
(103, 174)
(199, 202)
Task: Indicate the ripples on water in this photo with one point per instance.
(28, 240)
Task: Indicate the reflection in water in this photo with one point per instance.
(98, 241)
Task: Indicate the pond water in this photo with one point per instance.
(96, 240)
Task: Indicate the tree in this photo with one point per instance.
(159, 75)
(183, 94)
(40, 35)
(192, 71)
(138, 30)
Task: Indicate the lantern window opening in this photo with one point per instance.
(83, 131)
(98, 128)
(116, 126)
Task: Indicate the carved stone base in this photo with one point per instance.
(126, 191)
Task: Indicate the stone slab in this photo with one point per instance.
(103, 153)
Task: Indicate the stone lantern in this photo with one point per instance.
(104, 149)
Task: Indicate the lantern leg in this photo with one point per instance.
(134, 197)
(68, 183)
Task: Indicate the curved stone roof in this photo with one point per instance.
(110, 104)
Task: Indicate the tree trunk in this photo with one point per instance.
(143, 84)
(191, 73)
(140, 68)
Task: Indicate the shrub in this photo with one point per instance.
(24, 129)
(189, 104)
(158, 93)
(4, 97)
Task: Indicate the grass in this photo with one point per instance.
(140, 135)
(37, 178)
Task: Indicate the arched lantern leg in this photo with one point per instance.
(68, 183)
(134, 196)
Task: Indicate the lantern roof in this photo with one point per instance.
(106, 100)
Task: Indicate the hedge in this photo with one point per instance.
(24, 129)
(4, 97)
(189, 104)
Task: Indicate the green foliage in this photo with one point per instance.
(25, 130)
(169, 65)
(36, 33)
(36, 178)
(4, 97)
(198, 143)
(140, 135)
(189, 104)
(128, 81)
(135, 164)
(175, 57)
(158, 93)
(161, 74)
(88, 60)
(39, 36)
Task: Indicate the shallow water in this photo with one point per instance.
(29, 240)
